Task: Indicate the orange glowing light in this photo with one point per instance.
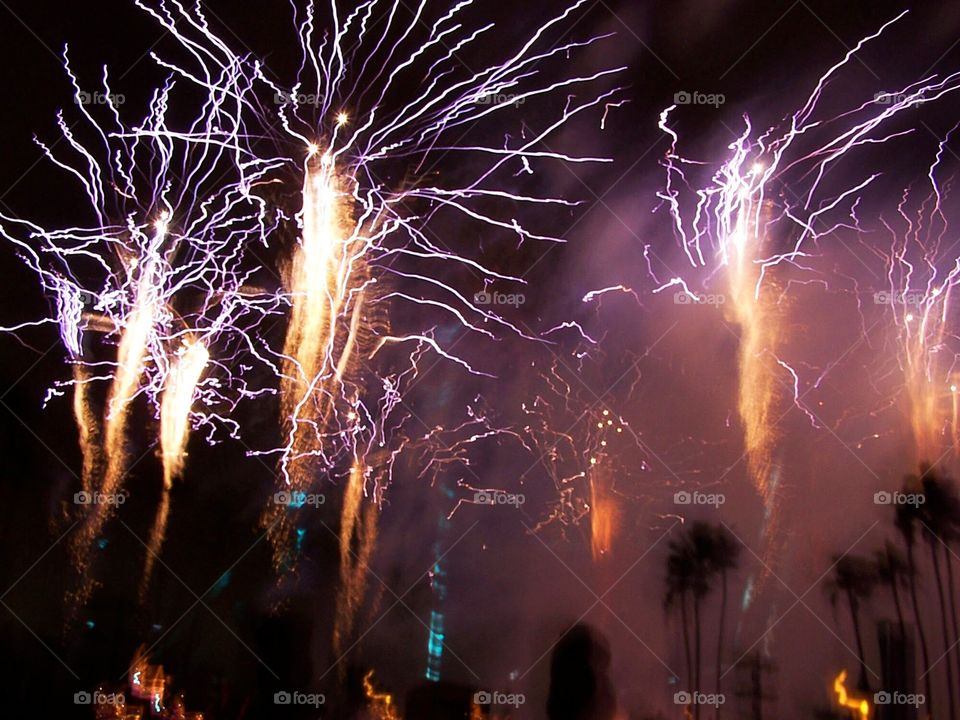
(380, 703)
(358, 529)
(860, 705)
(604, 513)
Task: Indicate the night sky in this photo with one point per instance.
(232, 632)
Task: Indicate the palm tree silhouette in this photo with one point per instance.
(701, 540)
(906, 518)
(893, 572)
(724, 557)
(938, 515)
(853, 578)
(680, 581)
(701, 553)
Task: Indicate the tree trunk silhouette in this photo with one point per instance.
(685, 621)
(938, 574)
(927, 680)
(697, 631)
(862, 684)
(947, 555)
(899, 608)
(723, 618)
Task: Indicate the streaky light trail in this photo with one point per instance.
(369, 276)
(383, 99)
(763, 215)
(158, 270)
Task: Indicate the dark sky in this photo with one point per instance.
(511, 591)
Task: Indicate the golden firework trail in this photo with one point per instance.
(921, 280)
(358, 536)
(88, 427)
(175, 406)
(131, 355)
(605, 512)
(319, 344)
(328, 291)
(381, 704)
(753, 303)
(928, 388)
(757, 313)
(604, 508)
(604, 518)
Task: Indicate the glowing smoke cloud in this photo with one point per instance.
(768, 210)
